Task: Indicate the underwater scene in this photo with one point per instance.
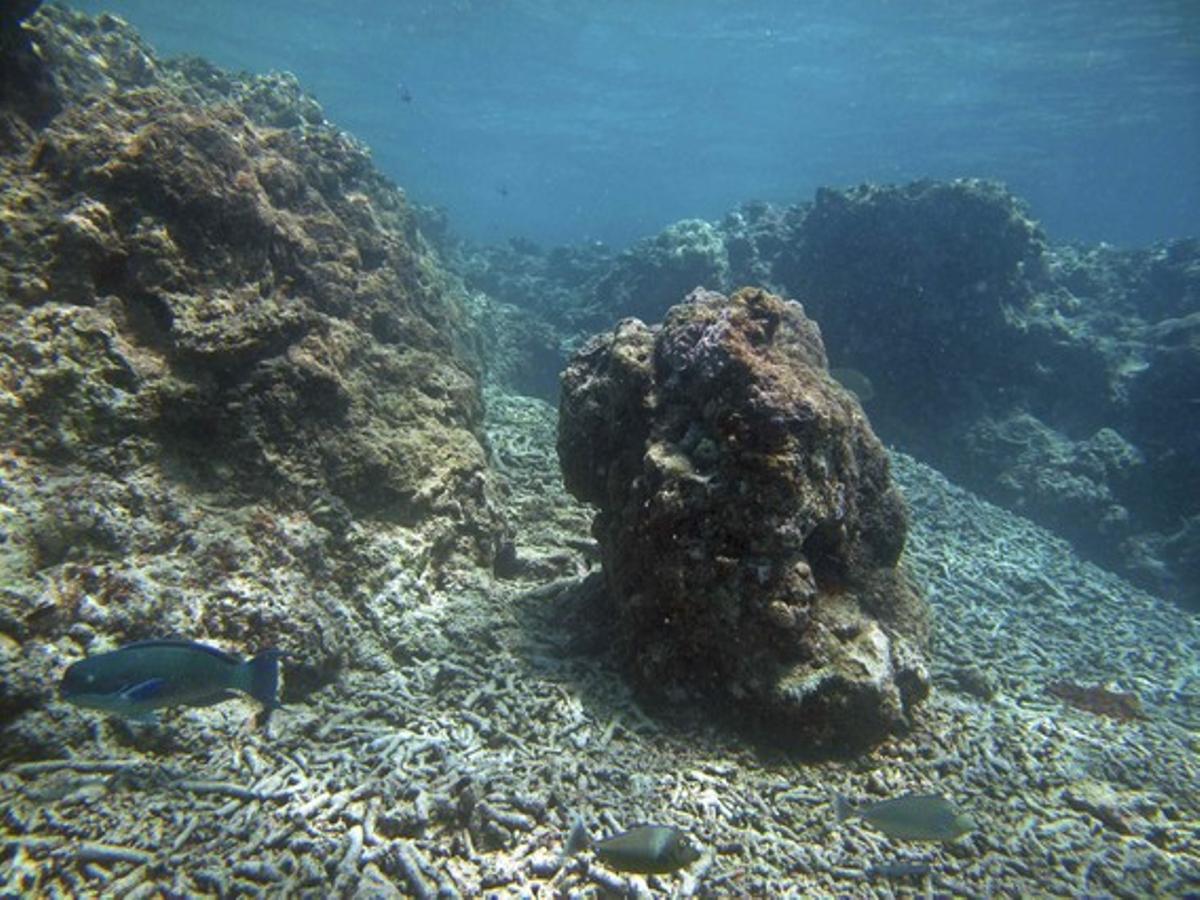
(517, 448)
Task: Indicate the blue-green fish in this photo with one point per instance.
(913, 817)
(140, 678)
(644, 850)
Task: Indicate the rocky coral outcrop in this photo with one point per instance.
(526, 300)
(911, 284)
(1072, 486)
(551, 301)
(1086, 355)
(236, 390)
(978, 335)
(749, 531)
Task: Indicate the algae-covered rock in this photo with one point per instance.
(911, 284)
(1071, 485)
(949, 298)
(748, 527)
(231, 371)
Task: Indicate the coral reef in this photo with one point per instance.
(748, 528)
(544, 304)
(460, 772)
(1071, 486)
(910, 285)
(992, 333)
(469, 725)
(1088, 356)
(525, 301)
(236, 389)
(656, 271)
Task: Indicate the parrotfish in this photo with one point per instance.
(643, 850)
(142, 677)
(913, 817)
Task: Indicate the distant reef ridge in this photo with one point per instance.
(1062, 381)
(237, 392)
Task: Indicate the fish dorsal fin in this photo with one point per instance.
(925, 798)
(578, 838)
(183, 645)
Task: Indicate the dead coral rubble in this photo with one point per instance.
(749, 530)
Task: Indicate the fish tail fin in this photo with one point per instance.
(578, 839)
(263, 672)
(842, 808)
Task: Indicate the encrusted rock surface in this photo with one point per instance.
(1072, 486)
(749, 531)
(656, 271)
(911, 284)
(236, 391)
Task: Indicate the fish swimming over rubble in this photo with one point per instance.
(913, 817)
(643, 849)
(145, 676)
(1099, 700)
(898, 869)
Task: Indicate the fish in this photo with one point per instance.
(898, 869)
(642, 850)
(1098, 700)
(140, 678)
(913, 817)
(855, 382)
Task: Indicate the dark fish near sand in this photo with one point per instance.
(913, 817)
(140, 678)
(643, 850)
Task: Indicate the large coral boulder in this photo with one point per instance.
(749, 530)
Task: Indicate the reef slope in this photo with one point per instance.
(237, 393)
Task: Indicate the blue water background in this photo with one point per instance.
(560, 121)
